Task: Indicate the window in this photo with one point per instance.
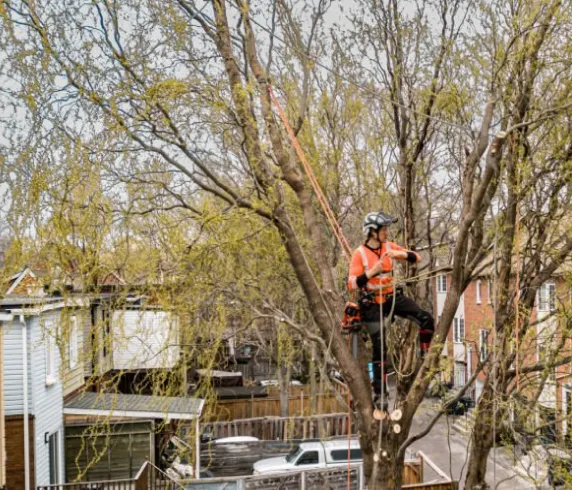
(460, 374)
(483, 344)
(73, 353)
(53, 448)
(50, 356)
(442, 284)
(294, 454)
(342, 454)
(547, 297)
(489, 292)
(458, 330)
(478, 288)
(309, 457)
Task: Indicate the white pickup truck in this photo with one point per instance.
(312, 455)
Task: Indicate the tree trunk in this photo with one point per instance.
(313, 383)
(387, 473)
(481, 442)
(480, 447)
(283, 373)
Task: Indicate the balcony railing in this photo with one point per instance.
(149, 477)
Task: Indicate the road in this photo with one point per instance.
(448, 450)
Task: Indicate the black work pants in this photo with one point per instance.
(403, 307)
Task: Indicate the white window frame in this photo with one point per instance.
(458, 326)
(50, 355)
(490, 292)
(548, 290)
(442, 283)
(73, 343)
(478, 287)
(483, 344)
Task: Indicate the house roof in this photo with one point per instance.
(33, 305)
(135, 406)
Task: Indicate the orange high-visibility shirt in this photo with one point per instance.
(364, 258)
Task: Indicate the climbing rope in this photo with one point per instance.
(333, 222)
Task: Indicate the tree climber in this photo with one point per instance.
(371, 268)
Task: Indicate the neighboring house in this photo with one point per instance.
(2, 420)
(129, 339)
(471, 339)
(454, 346)
(35, 379)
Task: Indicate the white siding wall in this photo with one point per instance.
(458, 349)
(144, 339)
(13, 372)
(2, 430)
(74, 378)
(45, 402)
(48, 400)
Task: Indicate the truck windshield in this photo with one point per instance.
(294, 454)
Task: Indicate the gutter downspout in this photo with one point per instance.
(26, 407)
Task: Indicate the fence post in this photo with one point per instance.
(240, 484)
(303, 480)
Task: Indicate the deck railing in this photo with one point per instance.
(149, 477)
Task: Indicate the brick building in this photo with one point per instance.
(471, 338)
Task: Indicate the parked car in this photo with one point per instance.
(275, 382)
(235, 440)
(460, 406)
(312, 455)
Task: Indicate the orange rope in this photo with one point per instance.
(349, 428)
(334, 225)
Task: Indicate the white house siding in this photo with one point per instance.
(13, 372)
(47, 400)
(144, 339)
(74, 378)
(2, 429)
(458, 349)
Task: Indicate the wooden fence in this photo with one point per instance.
(259, 407)
(284, 428)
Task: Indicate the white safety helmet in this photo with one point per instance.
(375, 220)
